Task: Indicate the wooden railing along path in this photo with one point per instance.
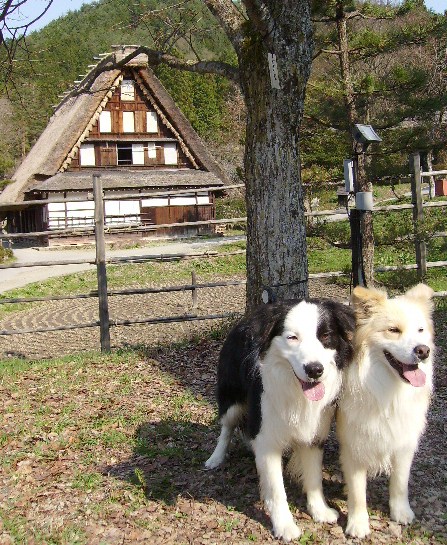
(102, 293)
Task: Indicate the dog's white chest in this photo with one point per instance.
(376, 431)
(303, 422)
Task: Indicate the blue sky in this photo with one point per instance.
(32, 8)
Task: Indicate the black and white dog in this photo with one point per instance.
(279, 375)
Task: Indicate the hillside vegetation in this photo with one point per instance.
(395, 59)
(62, 51)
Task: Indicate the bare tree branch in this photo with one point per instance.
(13, 36)
(358, 14)
(155, 58)
(230, 18)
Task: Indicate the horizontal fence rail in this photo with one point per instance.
(433, 173)
(133, 291)
(147, 321)
(118, 259)
(123, 229)
(194, 287)
(435, 204)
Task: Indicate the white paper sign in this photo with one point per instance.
(273, 69)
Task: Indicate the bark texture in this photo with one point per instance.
(276, 237)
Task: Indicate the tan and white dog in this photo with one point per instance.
(385, 397)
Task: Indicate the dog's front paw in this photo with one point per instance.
(358, 525)
(401, 512)
(286, 530)
(323, 513)
(214, 461)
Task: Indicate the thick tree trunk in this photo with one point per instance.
(276, 237)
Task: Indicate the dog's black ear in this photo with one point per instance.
(345, 322)
(270, 322)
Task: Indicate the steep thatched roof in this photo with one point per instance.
(76, 115)
(130, 179)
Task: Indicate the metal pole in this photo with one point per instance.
(355, 221)
(101, 265)
(418, 216)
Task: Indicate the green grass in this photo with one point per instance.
(87, 481)
(329, 259)
(323, 257)
(392, 232)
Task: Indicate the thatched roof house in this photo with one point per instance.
(123, 124)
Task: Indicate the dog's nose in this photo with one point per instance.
(314, 369)
(422, 351)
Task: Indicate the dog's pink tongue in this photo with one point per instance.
(415, 376)
(313, 390)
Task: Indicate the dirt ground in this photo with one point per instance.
(228, 299)
(110, 449)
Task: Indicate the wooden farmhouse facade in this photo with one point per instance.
(123, 125)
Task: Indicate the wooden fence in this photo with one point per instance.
(103, 293)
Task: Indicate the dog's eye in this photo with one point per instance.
(325, 338)
(421, 330)
(394, 330)
(292, 338)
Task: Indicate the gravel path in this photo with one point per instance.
(55, 313)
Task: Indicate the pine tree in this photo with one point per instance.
(368, 70)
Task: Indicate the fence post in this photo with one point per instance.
(101, 265)
(418, 216)
(194, 289)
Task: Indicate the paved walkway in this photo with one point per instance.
(16, 278)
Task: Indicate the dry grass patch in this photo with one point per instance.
(109, 449)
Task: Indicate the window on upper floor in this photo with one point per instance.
(105, 121)
(127, 90)
(151, 122)
(170, 152)
(124, 154)
(138, 154)
(151, 150)
(87, 155)
(128, 121)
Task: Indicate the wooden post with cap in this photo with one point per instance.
(101, 272)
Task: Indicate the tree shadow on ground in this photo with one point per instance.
(168, 465)
(168, 462)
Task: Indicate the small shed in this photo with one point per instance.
(124, 125)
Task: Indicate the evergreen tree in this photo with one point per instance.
(368, 70)
(391, 72)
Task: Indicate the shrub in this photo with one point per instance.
(5, 254)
